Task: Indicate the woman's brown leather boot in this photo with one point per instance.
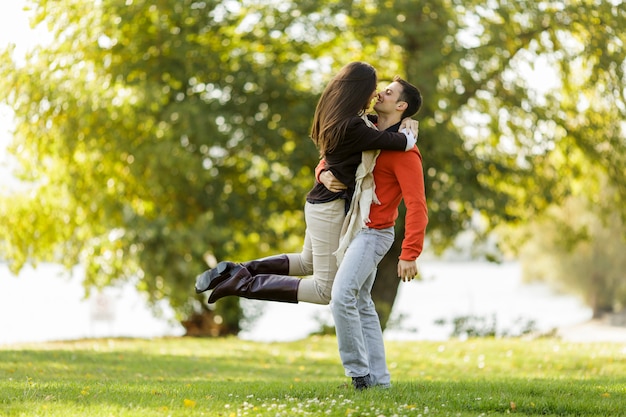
(269, 287)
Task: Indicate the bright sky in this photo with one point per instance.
(15, 30)
(14, 23)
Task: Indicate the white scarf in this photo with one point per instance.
(364, 196)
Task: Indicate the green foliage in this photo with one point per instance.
(153, 138)
(522, 100)
(195, 377)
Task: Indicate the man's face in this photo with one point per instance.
(388, 98)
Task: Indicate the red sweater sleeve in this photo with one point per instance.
(321, 166)
(411, 179)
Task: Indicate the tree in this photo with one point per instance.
(155, 135)
(496, 142)
(149, 143)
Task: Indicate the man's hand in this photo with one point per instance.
(333, 184)
(407, 270)
(411, 125)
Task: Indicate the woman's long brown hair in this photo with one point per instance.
(345, 96)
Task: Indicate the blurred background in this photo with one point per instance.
(142, 142)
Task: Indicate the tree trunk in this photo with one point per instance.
(387, 282)
(600, 296)
(209, 323)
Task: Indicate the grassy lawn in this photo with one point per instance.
(230, 377)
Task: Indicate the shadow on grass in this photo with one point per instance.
(232, 365)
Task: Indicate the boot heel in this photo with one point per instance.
(210, 278)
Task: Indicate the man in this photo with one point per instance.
(397, 176)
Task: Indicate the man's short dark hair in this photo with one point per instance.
(411, 95)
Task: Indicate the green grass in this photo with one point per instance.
(230, 377)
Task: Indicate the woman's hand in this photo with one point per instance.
(411, 125)
(331, 182)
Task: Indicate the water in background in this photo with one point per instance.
(447, 290)
(45, 304)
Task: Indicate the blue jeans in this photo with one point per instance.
(359, 335)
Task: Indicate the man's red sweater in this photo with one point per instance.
(399, 175)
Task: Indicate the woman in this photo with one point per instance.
(341, 133)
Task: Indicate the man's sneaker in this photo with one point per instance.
(361, 382)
